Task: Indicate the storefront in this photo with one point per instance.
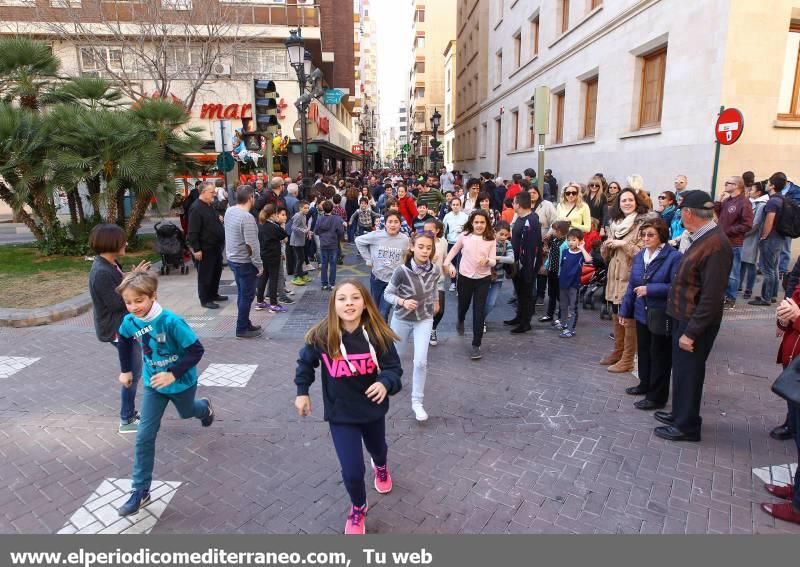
(323, 157)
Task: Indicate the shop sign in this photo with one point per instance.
(219, 111)
(322, 122)
(357, 149)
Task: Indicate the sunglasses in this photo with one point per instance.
(661, 197)
(649, 235)
(593, 185)
(570, 193)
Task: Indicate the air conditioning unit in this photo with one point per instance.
(222, 69)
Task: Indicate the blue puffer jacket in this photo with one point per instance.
(659, 275)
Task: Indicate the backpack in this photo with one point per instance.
(788, 221)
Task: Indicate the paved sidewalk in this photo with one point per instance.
(534, 438)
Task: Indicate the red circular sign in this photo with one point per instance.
(729, 127)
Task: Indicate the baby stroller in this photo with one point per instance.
(171, 244)
(594, 289)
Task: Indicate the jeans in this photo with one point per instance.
(456, 261)
(246, 276)
(735, 276)
(748, 276)
(688, 377)
(494, 291)
(794, 423)
(786, 255)
(347, 442)
(568, 300)
(469, 289)
(376, 288)
(154, 404)
(770, 250)
(655, 363)
(421, 331)
(328, 273)
(127, 407)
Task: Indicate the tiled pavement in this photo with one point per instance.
(533, 438)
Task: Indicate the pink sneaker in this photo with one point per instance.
(383, 480)
(356, 521)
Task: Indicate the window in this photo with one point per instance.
(514, 130)
(498, 74)
(517, 49)
(500, 7)
(272, 62)
(590, 108)
(447, 82)
(419, 16)
(419, 116)
(419, 92)
(535, 36)
(652, 96)
(563, 20)
(98, 61)
(560, 99)
(789, 97)
(484, 135)
(419, 67)
(420, 41)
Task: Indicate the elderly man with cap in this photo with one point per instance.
(695, 304)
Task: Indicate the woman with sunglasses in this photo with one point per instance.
(648, 287)
(668, 207)
(596, 199)
(623, 243)
(573, 209)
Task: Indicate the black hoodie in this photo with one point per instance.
(343, 391)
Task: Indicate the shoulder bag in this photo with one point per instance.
(787, 386)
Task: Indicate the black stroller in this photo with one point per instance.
(171, 244)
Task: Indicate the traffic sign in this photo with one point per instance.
(729, 127)
(406, 148)
(332, 96)
(225, 162)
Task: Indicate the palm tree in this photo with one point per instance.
(91, 92)
(27, 70)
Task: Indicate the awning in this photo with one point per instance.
(324, 147)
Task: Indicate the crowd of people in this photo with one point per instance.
(669, 268)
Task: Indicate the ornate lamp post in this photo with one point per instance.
(300, 60)
(435, 122)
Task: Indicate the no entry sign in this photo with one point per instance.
(730, 125)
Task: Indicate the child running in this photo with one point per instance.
(569, 280)
(360, 370)
(440, 247)
(171, 353)
(413, 292)
(270, 236)
(454, 222)
(478, 255)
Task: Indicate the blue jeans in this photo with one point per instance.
(328, 272)
(127, 407)
(246, 279)
(786, 255)
(770, 250)
(748, 276)
(154, 404)
(491, 299)
(735, 275)
(347, 442)
(376, 288)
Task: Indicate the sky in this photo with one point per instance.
(393, 49)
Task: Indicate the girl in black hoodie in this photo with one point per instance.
(270, 236)
(360, 369)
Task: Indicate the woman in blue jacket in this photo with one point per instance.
(648, 287)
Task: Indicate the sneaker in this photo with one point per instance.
(485, 329)
(286, 300)
(132, 426)
(307, 279)
(261, 305)
(557, 325)
(288, 291)
(383, 480)
(747, 294)
(138, 500)
(452, 287)
(326, 287)
(254, 327)
(566, 334)
(419, 411)
(475, 353)
(729, 303)
(356, 521)
(249, 334)
(277, 309)
(209, 419)
(758, 301)
(545, 319)
(299, 281)
(434, 339)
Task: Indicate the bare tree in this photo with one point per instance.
(145, 46)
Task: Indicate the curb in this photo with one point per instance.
(46, 315)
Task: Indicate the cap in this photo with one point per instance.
(696, 199)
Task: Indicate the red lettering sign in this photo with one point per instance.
(211, 111)
(231, 111)
(246, 111)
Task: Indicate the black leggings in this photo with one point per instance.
(347, 442)
(468, 289)
(438, 317)
(271, 270)
(553, 290)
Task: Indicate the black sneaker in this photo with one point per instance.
(138, 500)
(759, 302)
(248, 334)
(209, 419)
(545, 319)
(475, 353)
(254, 328)
(286, 300)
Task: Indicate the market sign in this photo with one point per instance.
(218, 111)
(332, 96)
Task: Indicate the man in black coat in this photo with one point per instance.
(206, 238)
(526, 240)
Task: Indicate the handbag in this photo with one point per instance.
(787, 385)
(658, 322)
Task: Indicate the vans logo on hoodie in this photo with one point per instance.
(338, 367)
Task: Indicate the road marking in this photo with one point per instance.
(98, 515)
(227, 375)
(10, 365)
(777, 474)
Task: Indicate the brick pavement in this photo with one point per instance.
(534, 438)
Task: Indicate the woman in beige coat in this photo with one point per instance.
(618, 250)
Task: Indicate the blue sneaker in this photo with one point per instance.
(138, 500)
(566, 334)
(209, 419)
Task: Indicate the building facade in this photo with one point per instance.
(433, 28)
(636, 87)
(449, 116)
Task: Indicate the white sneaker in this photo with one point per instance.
(452, 287)
(419, 411)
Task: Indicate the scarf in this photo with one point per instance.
(668, 210)
(421, 269)
(619, 229)
(155, 311)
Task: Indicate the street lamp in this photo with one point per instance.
(436, 119)
(300, 60)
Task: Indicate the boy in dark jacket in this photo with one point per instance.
(330, 230)
(270, 236)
